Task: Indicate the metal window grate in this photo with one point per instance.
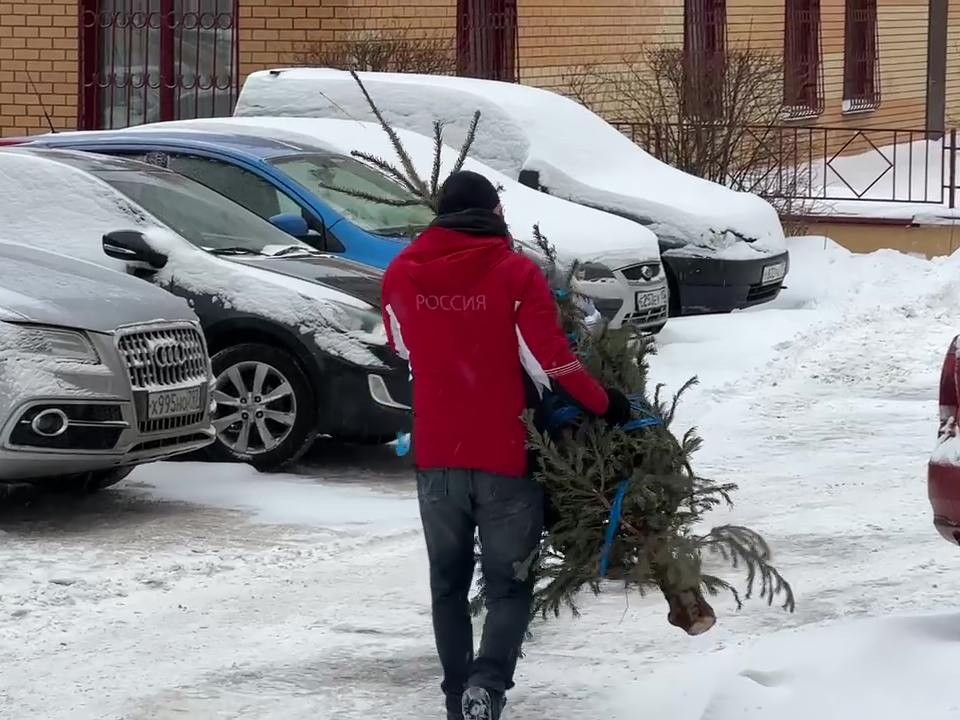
(164, 356)
(149, 60)
(861, 71)
(704, 52)
(487, 39)
(803, 60)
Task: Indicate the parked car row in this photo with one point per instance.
(236, 293)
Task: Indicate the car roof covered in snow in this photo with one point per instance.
(261, 147)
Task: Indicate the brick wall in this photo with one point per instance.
(39, 36)
(953, 64)
(556, 38)
(279, 32)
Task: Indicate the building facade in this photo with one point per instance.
(110, 63)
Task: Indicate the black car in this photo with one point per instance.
(296, 337)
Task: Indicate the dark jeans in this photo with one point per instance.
(508, 512)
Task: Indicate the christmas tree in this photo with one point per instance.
(624, 502)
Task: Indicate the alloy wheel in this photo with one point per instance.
(256, 408)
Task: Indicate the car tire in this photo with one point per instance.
(265, 433)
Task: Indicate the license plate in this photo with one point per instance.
(174, 403)
(774, 273)
(654, 299)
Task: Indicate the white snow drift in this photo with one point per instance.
(577, 154)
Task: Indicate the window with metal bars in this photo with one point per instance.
(802, 69)
(704, 51)
(861, 75)
(487, 39)
(149, 60)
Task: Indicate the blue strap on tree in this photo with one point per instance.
(616, 513)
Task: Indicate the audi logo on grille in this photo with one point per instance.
(168, 354)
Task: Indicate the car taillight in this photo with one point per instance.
(948, 392)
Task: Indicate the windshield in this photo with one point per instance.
(204, 217)
(317, 173)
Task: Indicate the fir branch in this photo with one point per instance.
(467, 142)
(362, 195)
(437, 157)
(405, 160)
(387, 168)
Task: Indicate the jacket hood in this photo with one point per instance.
(445, 260)
(49, 289)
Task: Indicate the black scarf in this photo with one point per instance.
(482, 223)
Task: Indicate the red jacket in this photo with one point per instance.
(471, 316)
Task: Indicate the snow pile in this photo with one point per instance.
(53, 206)
(284, 498)
(577, 154)
(577, 232)
(895, 668)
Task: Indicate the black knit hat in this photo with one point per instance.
(466, 190)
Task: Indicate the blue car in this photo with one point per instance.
(283, 182)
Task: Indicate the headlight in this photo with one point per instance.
(56, 344)
(364, 324)
(591, 271)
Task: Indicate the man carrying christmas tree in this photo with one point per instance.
(473, 316)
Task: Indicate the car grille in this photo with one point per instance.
(646, 317)
(148, 427)
(762, 293)
(164, 356)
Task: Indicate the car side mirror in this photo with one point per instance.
(132, 247)
(291, 224)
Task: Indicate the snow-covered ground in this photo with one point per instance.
(198, 591)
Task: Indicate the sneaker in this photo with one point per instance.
(481, 704)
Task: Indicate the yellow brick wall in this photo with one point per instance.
(39, 36)
(277, 32)
(953, 64)
(556, 38)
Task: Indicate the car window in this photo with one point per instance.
(201, 215)
(320, 173)
(241, 186)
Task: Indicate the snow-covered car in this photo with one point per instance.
(722, 250)
(943, 470)
(272, 165)
(296, 336)
(99, 372)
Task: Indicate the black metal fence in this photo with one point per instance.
(812, 163)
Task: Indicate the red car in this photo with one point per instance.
(943, 473)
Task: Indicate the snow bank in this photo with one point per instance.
(576, 231)
(53, 206)
(895, 668)
(282, 499)
(577, 154)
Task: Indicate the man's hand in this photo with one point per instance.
(619, 412)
